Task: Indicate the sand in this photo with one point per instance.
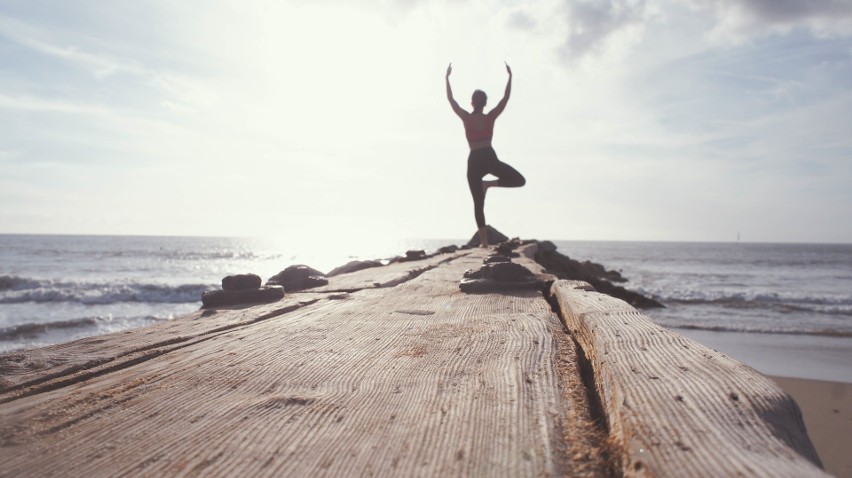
(827, 409)
(784, 355)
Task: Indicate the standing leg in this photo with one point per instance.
(475, 172)
(474, 181)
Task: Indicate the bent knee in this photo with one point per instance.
(514, 182)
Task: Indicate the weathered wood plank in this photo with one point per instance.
(678, 408)
(56, 362)
(89, 355)
(385, 276)
(414, 380)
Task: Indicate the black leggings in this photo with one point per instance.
(484, 161)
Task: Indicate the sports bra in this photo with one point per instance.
(479, 130)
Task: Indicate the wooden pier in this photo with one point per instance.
(392, 371)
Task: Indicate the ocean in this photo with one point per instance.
(55, 289)
(736, 287)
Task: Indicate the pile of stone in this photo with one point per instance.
(241, 289)
(601, 279)
(298, 277)
(499, 273)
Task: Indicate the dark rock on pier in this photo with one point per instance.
(448, 249)
(494, 258)
(494, 237)
(500, 274)
(601, 279)
(415, 255)
(412, 255)
(352, 267)
(507, 248)
(219, 298)
(241, 282)
(298, 277)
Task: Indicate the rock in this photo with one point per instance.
(510, 245)
(496, 258)
(564, 267)
(546, 247)
(415, 255)
(507, 249)
(494, 237)
(241, 282)
(448, 249)
(352, 267)
(633, 298)
(510, 272)
(218, 298)
(502, 271)
(499, 276)
(298, 277)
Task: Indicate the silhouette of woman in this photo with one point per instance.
(479, 129)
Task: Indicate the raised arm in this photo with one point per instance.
(456, 108)
(502, 104)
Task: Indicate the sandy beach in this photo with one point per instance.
(827, 409)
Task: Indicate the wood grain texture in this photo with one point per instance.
(386, 276)
(678, 408)
(413, 380)
(23, 373)
(72, 360)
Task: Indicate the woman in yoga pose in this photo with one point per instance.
(479, 129)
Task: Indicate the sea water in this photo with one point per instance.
(55, 289)
(736, 287)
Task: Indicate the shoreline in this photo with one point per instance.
(802, 356)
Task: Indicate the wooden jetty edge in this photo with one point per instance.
(676, 407)
(393, 371)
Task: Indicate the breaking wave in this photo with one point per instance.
(15, 290)
(781, 302)
(32, 330)
(755, 330)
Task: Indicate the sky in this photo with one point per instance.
(672, 120)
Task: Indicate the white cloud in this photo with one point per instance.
(597, 29)
(522, 20)
(595, 25)
(739, 20)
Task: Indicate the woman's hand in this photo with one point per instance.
(508, 69)
(449, 70)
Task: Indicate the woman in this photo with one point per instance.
(479, 129)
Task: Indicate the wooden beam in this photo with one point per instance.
(676, 407)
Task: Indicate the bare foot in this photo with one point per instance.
(483, 237)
